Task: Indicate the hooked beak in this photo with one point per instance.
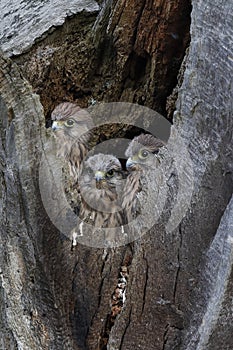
(99, 179)
(99, 176)
(56, 126)
(130, 163)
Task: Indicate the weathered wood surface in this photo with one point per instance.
(55, 298)
(28, 316)
(131, 52)
(24, 22)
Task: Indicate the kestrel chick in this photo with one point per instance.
(141, 154)
(101, 185)
(72, 126)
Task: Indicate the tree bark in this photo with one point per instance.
(29, 319)
(179, 288)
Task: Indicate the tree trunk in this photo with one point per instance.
(179, 285)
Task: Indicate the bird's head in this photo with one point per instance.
(101, 183)
(141, 152)
(103, 170)
(70, 121)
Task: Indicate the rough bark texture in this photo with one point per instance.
(179, 290)
(29, 319)
(25, 22)
(132, 52)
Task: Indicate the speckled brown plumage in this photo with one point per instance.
(72, 126)
(141, 154)
(101, 191)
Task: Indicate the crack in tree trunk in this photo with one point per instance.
(179, 265)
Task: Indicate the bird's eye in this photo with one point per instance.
(69, 123)
(110, 173)
(143, 154)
